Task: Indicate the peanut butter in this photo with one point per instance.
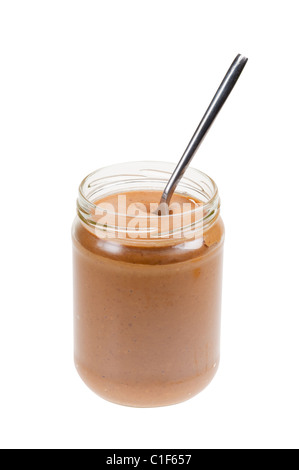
(147, 314)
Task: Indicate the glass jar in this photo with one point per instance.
(147, 310)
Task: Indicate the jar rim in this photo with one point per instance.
(107, 167)
(193, 179)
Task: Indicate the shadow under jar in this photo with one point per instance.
(146, 301)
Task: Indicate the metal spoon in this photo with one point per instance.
(216, 104)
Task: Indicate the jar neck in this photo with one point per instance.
(140, 177)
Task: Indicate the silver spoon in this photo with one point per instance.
(216, 104)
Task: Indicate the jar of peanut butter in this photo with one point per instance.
(147, 286)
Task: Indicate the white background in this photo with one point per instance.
(88, 83)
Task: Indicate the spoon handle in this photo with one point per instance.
(216, 104)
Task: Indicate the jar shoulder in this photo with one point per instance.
(149, 253)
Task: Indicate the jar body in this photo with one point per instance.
(147, 320)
